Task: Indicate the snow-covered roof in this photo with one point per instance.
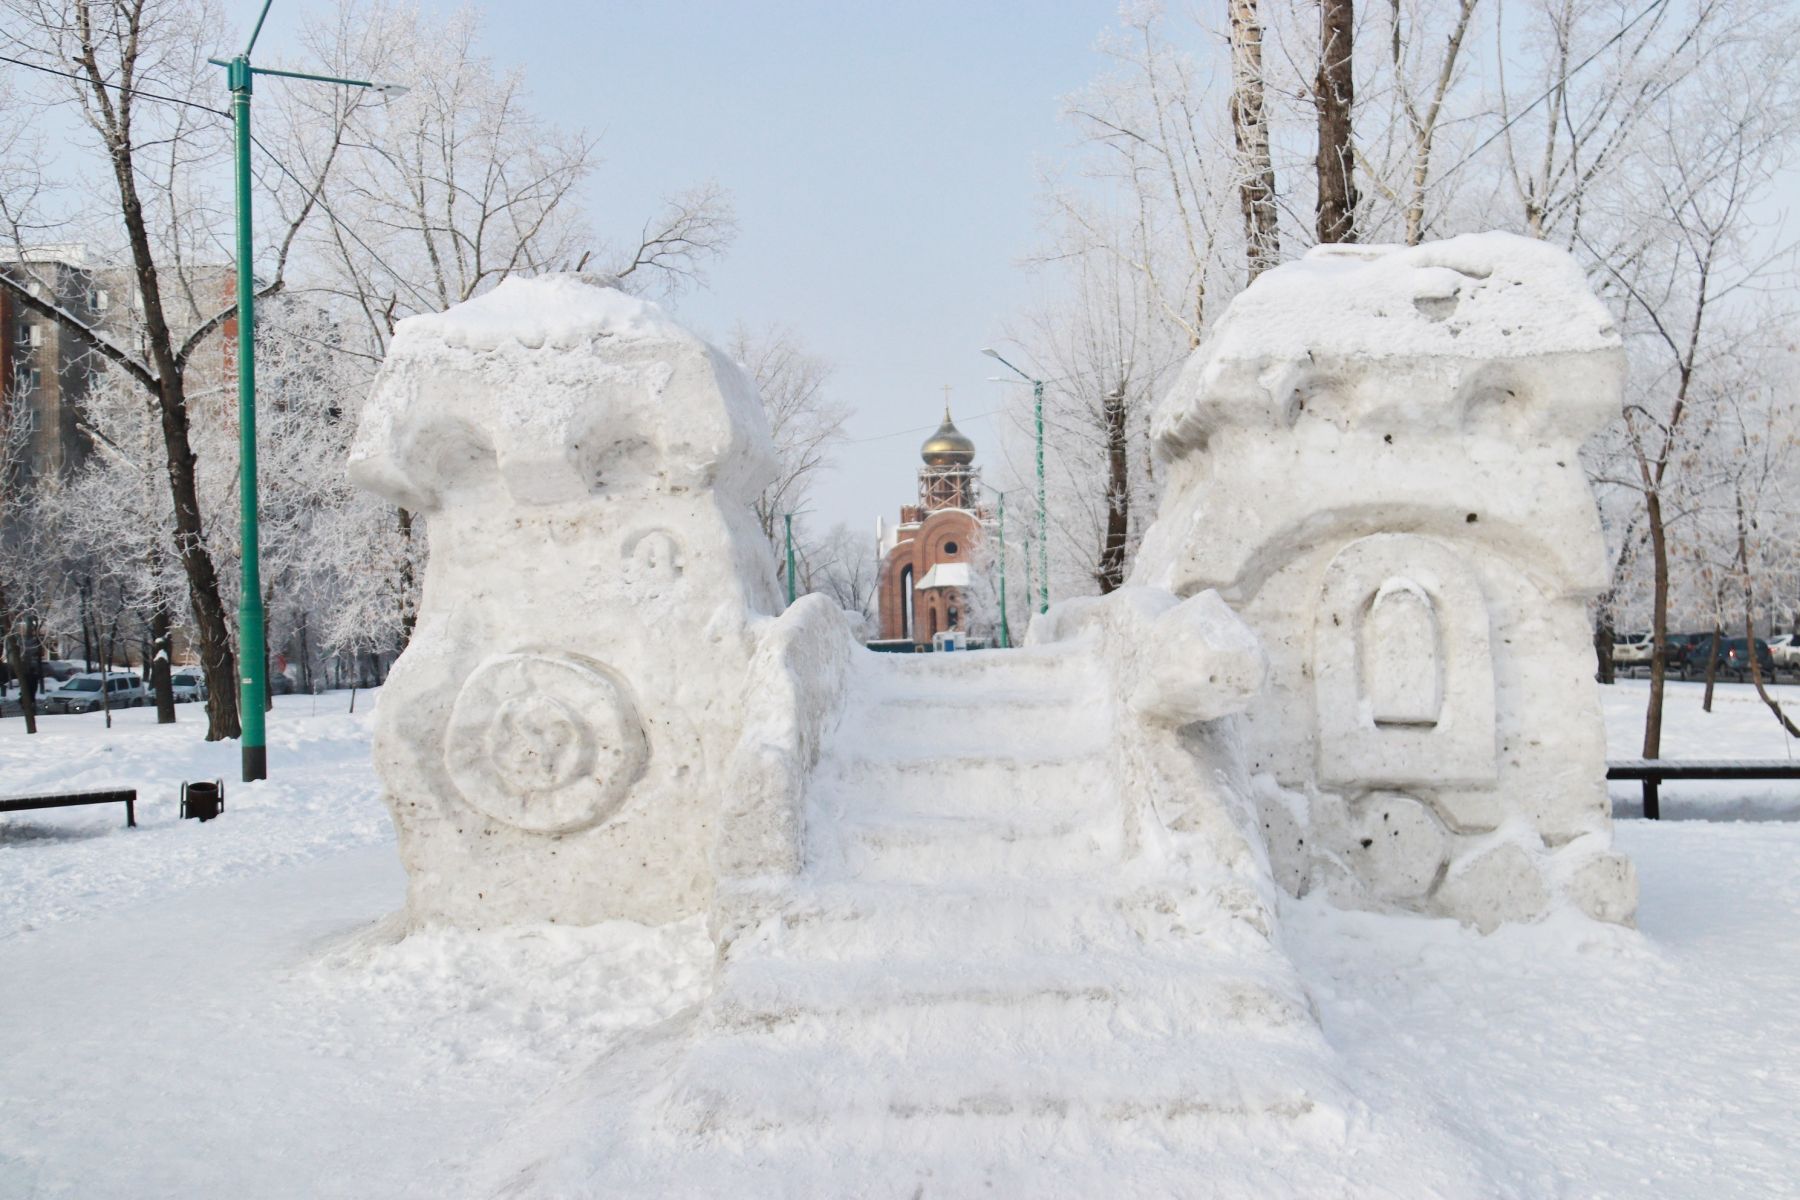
(945, 575)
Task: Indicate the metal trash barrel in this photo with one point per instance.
(202, 801)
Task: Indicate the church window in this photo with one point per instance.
(949, 548)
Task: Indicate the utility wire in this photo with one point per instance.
(117, 87)
(424, 303)
(881, 437)
(1601, 49)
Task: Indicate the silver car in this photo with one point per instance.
(81, 693)
(187, 685)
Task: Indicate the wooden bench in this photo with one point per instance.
(1651, 772)
(125, 796)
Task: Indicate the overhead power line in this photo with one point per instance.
(424, 303)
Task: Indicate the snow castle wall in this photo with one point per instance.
(552, 741)
(1374, 460)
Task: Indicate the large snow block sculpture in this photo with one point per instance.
(551, 742)
(1374, 460)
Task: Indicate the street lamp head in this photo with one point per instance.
(990, 352)
(390, 90)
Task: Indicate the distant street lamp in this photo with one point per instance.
(1037, 396)
(254, 670)
(789, 519)
(1005, 632)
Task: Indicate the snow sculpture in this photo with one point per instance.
(1374, 460)
(551, 743)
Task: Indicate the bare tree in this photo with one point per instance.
(1717, 155)
(1250, 127)
(1150, 132)
(156, 142)
(805, 421)
(1334, 94)
(843, 566)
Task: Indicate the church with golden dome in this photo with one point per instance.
(926, 559)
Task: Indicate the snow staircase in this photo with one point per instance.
(973, 988)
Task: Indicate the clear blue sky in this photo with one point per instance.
(883, 158)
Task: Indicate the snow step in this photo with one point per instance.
(935, 848)
(969, 1003)
(952, 788)
(927, 726)
(752, 1084)
(900, 922)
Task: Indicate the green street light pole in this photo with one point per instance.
(789, 518)
(253, 665)
(1005, 633)
(1037, 397)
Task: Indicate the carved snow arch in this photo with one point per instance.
(1403, 666)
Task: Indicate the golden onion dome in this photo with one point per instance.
(948, 447)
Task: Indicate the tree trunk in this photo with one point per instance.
(409, 615)
(1659, 624)
(1118, 494)
(1250, 130)
(17, 648)
(106, 657)
(1334, 93)
(210, 625)
(268, 676)
(159, 666)
(1603, 644)
(1712, 662)
(306, 677)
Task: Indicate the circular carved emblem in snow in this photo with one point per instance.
(546, 743)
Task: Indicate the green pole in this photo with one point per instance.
(1037, 394)
(252, 665)
(1005, 636)
(789, 518)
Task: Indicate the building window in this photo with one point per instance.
(949, 548)
(37, 335)
(34, 380)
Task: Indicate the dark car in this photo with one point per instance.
(1734, 659)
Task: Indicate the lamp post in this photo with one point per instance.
(1005, 632)
(1037, 397)
(253, 673)
(789, 518)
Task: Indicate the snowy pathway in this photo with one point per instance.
(972, 982)
(209, 1012)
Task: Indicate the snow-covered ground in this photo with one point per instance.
(221, 1010)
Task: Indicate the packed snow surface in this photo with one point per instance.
(1481, 295)
(559, 310)
(223, 1010)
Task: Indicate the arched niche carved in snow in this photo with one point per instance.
(1400, 655)
(1403, 667)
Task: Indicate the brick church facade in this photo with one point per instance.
(927, 558)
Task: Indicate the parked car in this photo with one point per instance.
(1632, 649)
(1786, 650)
(82, 693)
(187, 684)
(1734, 659)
